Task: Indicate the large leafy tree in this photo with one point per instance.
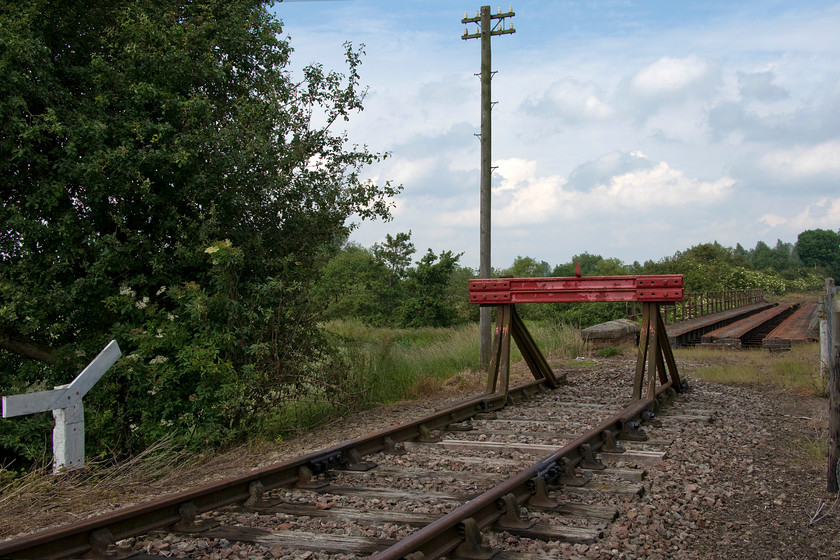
(167, 180)
(819, 247)
(425, 302)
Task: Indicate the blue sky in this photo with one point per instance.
(625, 129)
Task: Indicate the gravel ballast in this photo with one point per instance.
(739, 486)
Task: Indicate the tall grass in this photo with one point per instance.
(392, 363)
(796, 371)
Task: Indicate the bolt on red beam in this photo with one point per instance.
(654, 288)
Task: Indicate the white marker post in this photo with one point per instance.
(65, 401)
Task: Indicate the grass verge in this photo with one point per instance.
(796, 372)
(394, 364)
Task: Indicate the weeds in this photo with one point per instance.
(796, 371)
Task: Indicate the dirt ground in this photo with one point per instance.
(780, 508)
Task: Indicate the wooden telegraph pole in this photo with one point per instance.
(488, 25)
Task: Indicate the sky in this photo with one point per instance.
(626, 129)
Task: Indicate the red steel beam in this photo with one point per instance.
(651, 288)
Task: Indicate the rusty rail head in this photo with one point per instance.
(644, 288)
(444, 535)
(74, 540)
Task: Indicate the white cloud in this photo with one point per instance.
(772, 220)
(673, 76)
(570, 101)
(805, 162)
(522, 197)
(823, 214)
(658, 187)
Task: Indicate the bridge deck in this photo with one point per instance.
(796, 329)
(750, 330)
(690, 332)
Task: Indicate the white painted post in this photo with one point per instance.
(825, 340)
(65, 401)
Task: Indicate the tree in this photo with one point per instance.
(527, 267)
(425, 303)
(590, 265)
(394, 256)
(779, 258)
(395, 253)
(819, 247)
(165, 183)
(353, 285)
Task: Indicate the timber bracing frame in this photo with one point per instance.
(655, 360)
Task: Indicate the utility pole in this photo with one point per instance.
(488, 25)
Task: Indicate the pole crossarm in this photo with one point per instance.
(497, 29)
(644, 288)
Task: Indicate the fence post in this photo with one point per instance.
(825, 338)
(833, 307)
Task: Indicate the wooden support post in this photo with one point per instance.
(655, 356)
(530, 352)
(825, 341)
(641, 358)
(510, 325)
(499, 369)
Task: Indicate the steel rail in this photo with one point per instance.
(449, 532)
(96, 533)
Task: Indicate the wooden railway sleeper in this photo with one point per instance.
(463, 426)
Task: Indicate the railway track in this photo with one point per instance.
(517, 478)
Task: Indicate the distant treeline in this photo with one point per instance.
(379, 285)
